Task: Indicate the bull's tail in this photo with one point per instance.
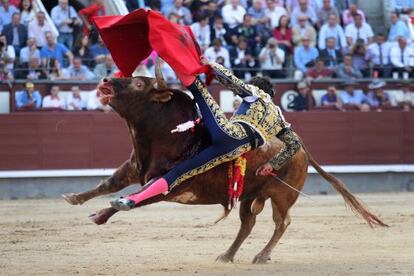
(356, 205)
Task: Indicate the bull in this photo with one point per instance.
(151, 110)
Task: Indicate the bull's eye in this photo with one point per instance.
(139, 84)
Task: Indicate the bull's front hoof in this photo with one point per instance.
(261, 259)
(98, 220)
(72, 199)
(224, 258)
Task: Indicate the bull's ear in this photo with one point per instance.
(161, 96)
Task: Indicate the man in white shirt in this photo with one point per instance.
(30, 51)
(233, 13)
(332, 29)
(75, 101)
(217, 51)
(38, 29)
(358, 30)
(274, 12)
(303, 8)
(201, 31)
(54, 100)
(272, 59)
(402, 59)
(378, 54)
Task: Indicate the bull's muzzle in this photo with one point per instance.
(105, 91)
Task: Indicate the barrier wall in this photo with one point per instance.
(77, 140)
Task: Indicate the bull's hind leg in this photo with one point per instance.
(125, 175)
(282, 220)
(248, 220)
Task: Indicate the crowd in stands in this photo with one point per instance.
(300, 39)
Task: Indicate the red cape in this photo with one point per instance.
(131, 39)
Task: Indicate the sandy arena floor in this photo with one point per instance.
(50, 237)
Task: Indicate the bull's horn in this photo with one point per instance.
(158, 75)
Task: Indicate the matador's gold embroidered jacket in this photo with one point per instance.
(257, 109)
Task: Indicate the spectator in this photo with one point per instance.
(377, 98)
(38, 29)
(257, 13)
(406, 99)
(7, 54)
(6, 13)
(233, 13)
(326, 11)
(99, 50)
(74, 100)
(27, 12)
(54, 100)
(334, 30)
(108, 68)
(351, 98)
(248, 31)
(303, 9)
(201, 31)
(319, 71)
(77, 71)
(346, 70)
(216, 51)
(219, 31)
(67, 21)
(95, 104)
(359, 58)
(55, 50)
(167, 72)
(260, 21)
(283, 34)
(378, 54)
(293, 4)
(242, 58)
(331, 99)
(300, 101)
(330, 54)
(29, 51)
(272, 59)
(402, 59)
(28, 98)
(83, 50)
(183, 13)
(398, 28)
(305, 55)
(274, 12)
(86, 14)
(31, 70)
(54, 71)
(212, 12)
(304, 28)
(358, 30)
(16, 33)
(402, 6)
(348, 15)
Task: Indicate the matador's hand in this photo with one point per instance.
(265, 170)
(204, 60)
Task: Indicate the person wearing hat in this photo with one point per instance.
(353, 99)
(28, 98)
(300, 101)
(377, 98)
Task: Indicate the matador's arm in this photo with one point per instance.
(230, 81)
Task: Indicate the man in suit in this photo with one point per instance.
(242, 57)
(16, 33)
(330, 55)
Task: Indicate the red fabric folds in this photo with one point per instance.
(132, 37)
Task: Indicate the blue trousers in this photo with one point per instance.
(228, 140)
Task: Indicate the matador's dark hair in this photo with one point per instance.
(263, 83)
